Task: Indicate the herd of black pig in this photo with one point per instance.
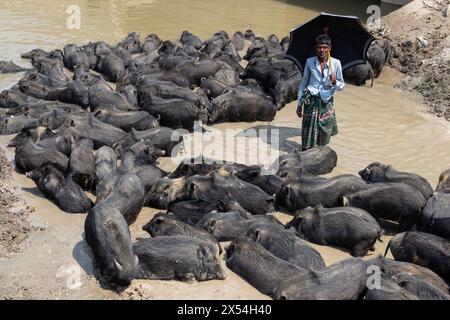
(77, 135)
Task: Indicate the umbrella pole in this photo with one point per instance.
(331, 63)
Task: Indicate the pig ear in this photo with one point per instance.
(230, 250)
(288, 193)
(201, 252)
(254, 171)
(257, 236)
(72, 138)
(367, 171)
(283, 296)
(158, 220)
(212, 222)
(133, 132)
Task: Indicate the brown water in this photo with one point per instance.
(375, 124)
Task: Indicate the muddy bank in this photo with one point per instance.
(14, 213)
(417, 42)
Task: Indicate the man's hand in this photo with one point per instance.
(333, 78)
(299, 113)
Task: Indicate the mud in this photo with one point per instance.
(14, 213)
(418, 44)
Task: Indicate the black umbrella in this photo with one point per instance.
(349, 39)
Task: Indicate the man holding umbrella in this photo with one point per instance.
(322, 76)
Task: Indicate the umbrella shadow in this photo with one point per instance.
(275, 136)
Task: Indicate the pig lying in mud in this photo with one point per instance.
(162, 138)
(140, 154)
(347, 227)
(315, 161)
(417, 280)
(285, 245)
(435, 216)
(236, 106)
(259, 267)
(395, 268)
(46, 139)
(269, 183)
(231, 225)
(167, 225)
(444, 182)
(59, 188)
(139, 120)
(30, 156)
(192, 211)
(307, 190)
(10, 67)
(344, 280)
(378, 172)
(178, 258)
(217, 186)
(389, 290)
(35, 135)
(15, 124)
(106, 232)
(393, 201)
(126, 194)
(421, 289)
(203, 166)
(423, 249)
(105, 162)
(81, 164)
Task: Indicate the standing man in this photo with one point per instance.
(315, 96)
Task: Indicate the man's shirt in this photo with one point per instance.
(318, 85)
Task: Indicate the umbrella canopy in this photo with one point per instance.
(349, 39)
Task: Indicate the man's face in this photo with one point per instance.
(322, 51)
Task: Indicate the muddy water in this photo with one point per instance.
(375, 124)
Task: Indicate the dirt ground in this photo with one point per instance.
(14, 213)
(418, 45)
